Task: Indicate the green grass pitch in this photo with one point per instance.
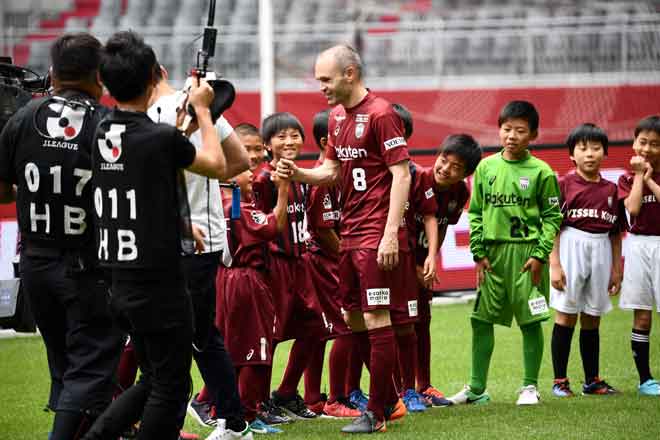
(24, 385)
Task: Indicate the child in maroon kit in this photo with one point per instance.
(246, 297)
(297, 310)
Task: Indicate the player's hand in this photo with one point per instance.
(201, 94)
(483, 267)
(198, 236)
(286, 168)
(429, 271)
(558, 277)
(388, 252)
(535, 267)
(278, 180)
(638, 165)
(616, 275)
(419, 271)
(648, 172)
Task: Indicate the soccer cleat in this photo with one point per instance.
(598, 387)
(222, 433)
(413, 401)
(358, 399)
(562, 388)
(317, 408)
(365, 424)
(341, 408)
(272, 415)
(201, 411)
(467, 397)
(259, 427)
(293, 407)
(650, 388)
(436, 397)
(528, 395)
(396, 411)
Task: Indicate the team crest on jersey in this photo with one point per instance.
(327, 203)
(110, 146)
(259, 217)
(428, 193)
(524, 183)
(451, 206)
(359, 130)
(68, 124)
(554, 200)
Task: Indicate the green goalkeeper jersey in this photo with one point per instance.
(515, 202)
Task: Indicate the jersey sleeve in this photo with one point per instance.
(551, 216)
(224, 128)
(330, 152)
(261, 187)
(319, 209)
(424, 201)
(475, 214)
(624, 186)
(259, 227)
(7, 152)
(389, 136)
(184, 150)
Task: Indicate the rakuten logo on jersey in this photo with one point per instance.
(350, 153)
(295, 207)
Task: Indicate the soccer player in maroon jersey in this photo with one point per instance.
(297, 311)
(458, 157)
(585, 263)
(246, 295)
(640, 192)
(367, 154)
(323, 265)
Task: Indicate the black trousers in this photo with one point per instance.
(213, 360)
(157, 314)
(70, 306)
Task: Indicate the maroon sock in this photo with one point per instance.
(204, 395)
(407, 351)
(313, 373)
(382, 364)
(354, 371)
(127, 370)
(397, 376)
(252, 388)
(423, 330)
(298, 360)
(338, 365)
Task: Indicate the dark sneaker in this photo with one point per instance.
(436, 397)
(294, 407)
(598, 387)
(272, 415)
(201, 411)
(365, 424)
(562, 388)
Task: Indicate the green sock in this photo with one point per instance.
(483, 342)
(532, 352)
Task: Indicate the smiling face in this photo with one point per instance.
(647, 145)
(588, 156)
(448, 170)
(334, 82)
(255, 148)
(286, 144)
(515, 137)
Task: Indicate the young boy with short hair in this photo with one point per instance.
(640, 191)
(514, 217)
(585, 263)
(251, 139)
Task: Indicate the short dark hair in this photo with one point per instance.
(245, 128)
(406, 117)
(320, 126)
(128, 65)
(465, 147)
(276, 122)
(76, 57)
(520, 110)
(587, 132)
(650, 123)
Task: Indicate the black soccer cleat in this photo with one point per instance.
(294, 407)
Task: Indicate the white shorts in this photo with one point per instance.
(587, 261)
(640, 289)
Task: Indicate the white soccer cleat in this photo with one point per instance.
(467, 397)
(528, 396)
(221, 433)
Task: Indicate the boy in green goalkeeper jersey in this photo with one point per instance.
(514, 217)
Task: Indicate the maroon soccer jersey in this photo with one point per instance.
(648, 220)
(450, 204)
(249, 235)
(292, 240)
(589, 206)
(365, 139)
(421, 202)
(322, 213)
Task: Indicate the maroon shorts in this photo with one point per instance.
(424, 304)
(323, 272)
(297, 310)
(247, 316)
(408, 289)
(364, 286)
